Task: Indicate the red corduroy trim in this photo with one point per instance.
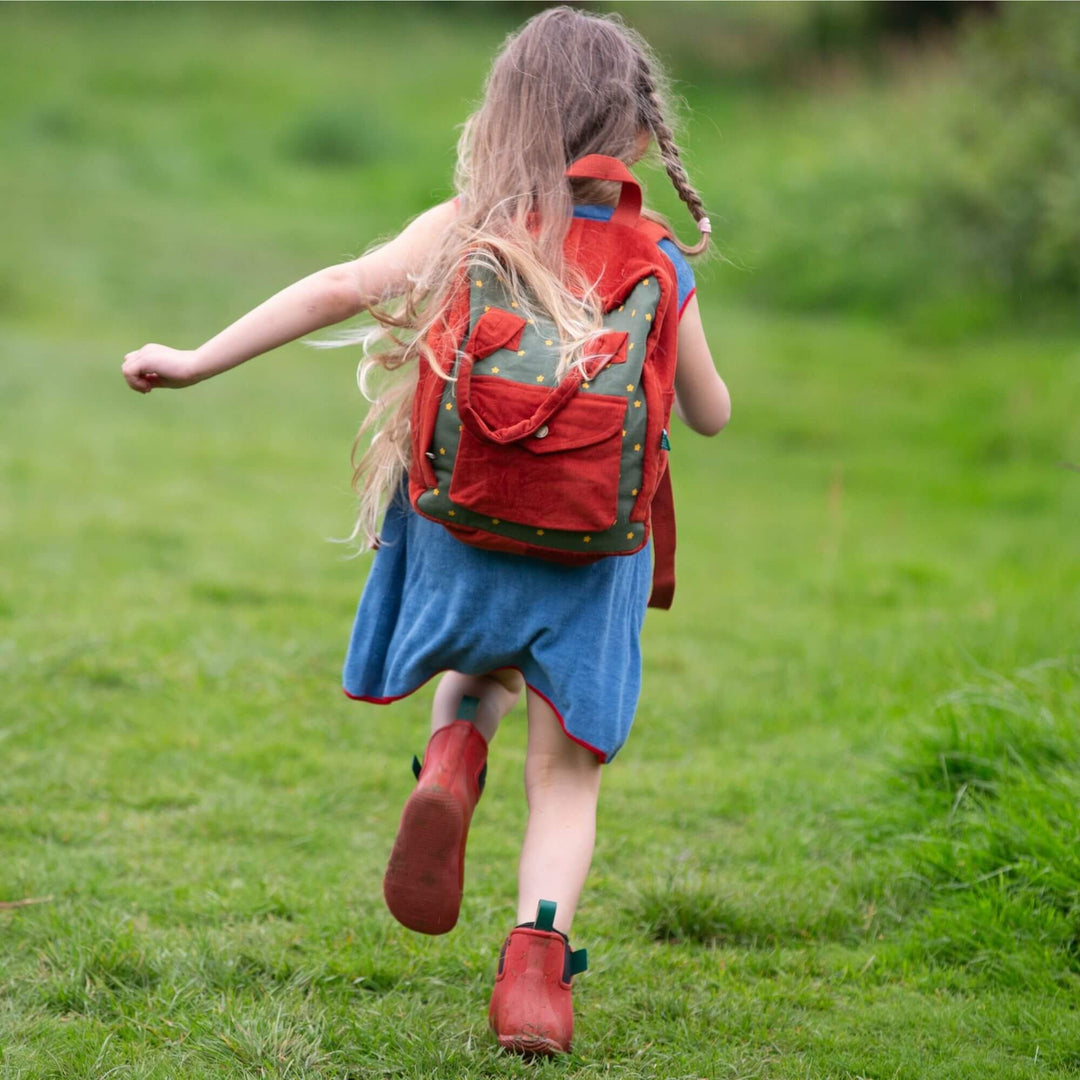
(540, 694)
(686, 301)
(378, 700)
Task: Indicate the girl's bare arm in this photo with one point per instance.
(702, 401)
(328, 296)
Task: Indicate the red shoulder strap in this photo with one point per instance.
(653, 230)
(663, 504)
(663, 536)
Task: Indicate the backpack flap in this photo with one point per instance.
(495, 329)
(606, 349)
(502, 411)
(498, 406)
(541, 458)
(511, 424)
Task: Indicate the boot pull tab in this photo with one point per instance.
(545, 915)
(416, 766)
(579, 961)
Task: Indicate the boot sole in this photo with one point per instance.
(531, 1045)
(421, 886)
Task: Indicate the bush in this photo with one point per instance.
(1012, 180)
(949, 196)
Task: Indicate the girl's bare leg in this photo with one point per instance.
(496, 694)
(562, 785)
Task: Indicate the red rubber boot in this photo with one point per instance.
(531, 1010)
(426, 873)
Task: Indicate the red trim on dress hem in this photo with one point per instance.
(550, 704)
(558, 715)
(686, 301)
(378, 700)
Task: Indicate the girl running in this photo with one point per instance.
(570, 90)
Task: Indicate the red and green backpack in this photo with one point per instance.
(508, 459)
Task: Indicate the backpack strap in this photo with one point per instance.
(653, 230)
(663, 504)
(663, 531)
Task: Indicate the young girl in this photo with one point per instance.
(567, 85)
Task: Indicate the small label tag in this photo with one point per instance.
(665, 442)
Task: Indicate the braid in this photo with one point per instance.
(653, 115)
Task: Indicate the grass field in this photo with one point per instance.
(843, 838)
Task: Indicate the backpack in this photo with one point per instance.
(575, 471)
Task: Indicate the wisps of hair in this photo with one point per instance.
(568, 83)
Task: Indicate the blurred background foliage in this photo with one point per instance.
(925, 158)
(918, 162)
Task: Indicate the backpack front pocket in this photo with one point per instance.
(563, 475)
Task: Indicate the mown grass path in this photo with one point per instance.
(839, 842)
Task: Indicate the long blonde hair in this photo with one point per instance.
(566, 84)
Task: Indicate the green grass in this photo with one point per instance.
(841, 841)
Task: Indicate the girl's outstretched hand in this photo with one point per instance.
(155, 366)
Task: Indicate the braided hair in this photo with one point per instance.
(651, 117)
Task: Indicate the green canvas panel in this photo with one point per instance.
(534, 361)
